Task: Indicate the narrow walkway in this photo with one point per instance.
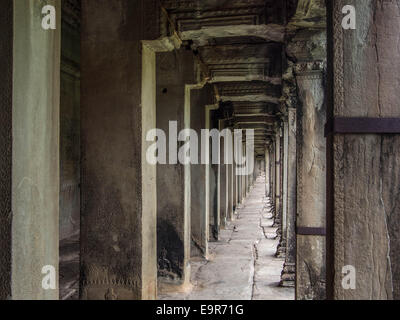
(242, 265)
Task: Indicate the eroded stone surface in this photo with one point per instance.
(365, 167)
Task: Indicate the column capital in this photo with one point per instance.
(284, 117)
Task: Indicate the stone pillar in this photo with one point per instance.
(230, 173)
(285, 175)
(266, 165)
(242, 150)
(251, 174)
(278, 196)
(213, 176)
(255, 169)
(289, 268)
(231, 205)
(311, 182)
(238, 175)
(272, 175)
(29, 144)
(201, 100)
(244, 176)
(281, 251)
(175, 70)
(223, 179)
(234, 178)
(364, 172)
(119, 204)
(239, 188)
(247, 184)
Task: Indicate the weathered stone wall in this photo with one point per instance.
(6, 65)
(35, 167)
(174, 71)
(118, 235)
(366, 207)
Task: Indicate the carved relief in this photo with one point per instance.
(307, 67)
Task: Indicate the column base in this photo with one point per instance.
(169, 285)
(277, 223)
(288, 276)
(281, 250)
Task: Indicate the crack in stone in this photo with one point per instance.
(389, 265)
(377, 63)
(255, 258)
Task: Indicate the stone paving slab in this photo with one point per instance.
(242, 264)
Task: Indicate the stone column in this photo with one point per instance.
(119, 203)
(244, 176)
(175, 70)
(223, 179)
(29, 144)
(236, 172)
(239, 181)
(272, 175)
(201, 100)
(311, 182)
(247, 184)
(255, 170)
(213, 176)
(281, 251)
(267, 178)
(278, 196)
(230, 186)
(364, 172)
(234, 178)
(289, 268)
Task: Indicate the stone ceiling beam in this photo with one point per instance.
(243, 108)
(250, 98)
(248, 77)
(256, 119)
(250, 113)
(240, 53)
(267, 32)
(258, 127)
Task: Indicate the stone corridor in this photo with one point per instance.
(242, 263)
(199, 149)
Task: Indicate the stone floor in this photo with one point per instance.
(242, 264)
